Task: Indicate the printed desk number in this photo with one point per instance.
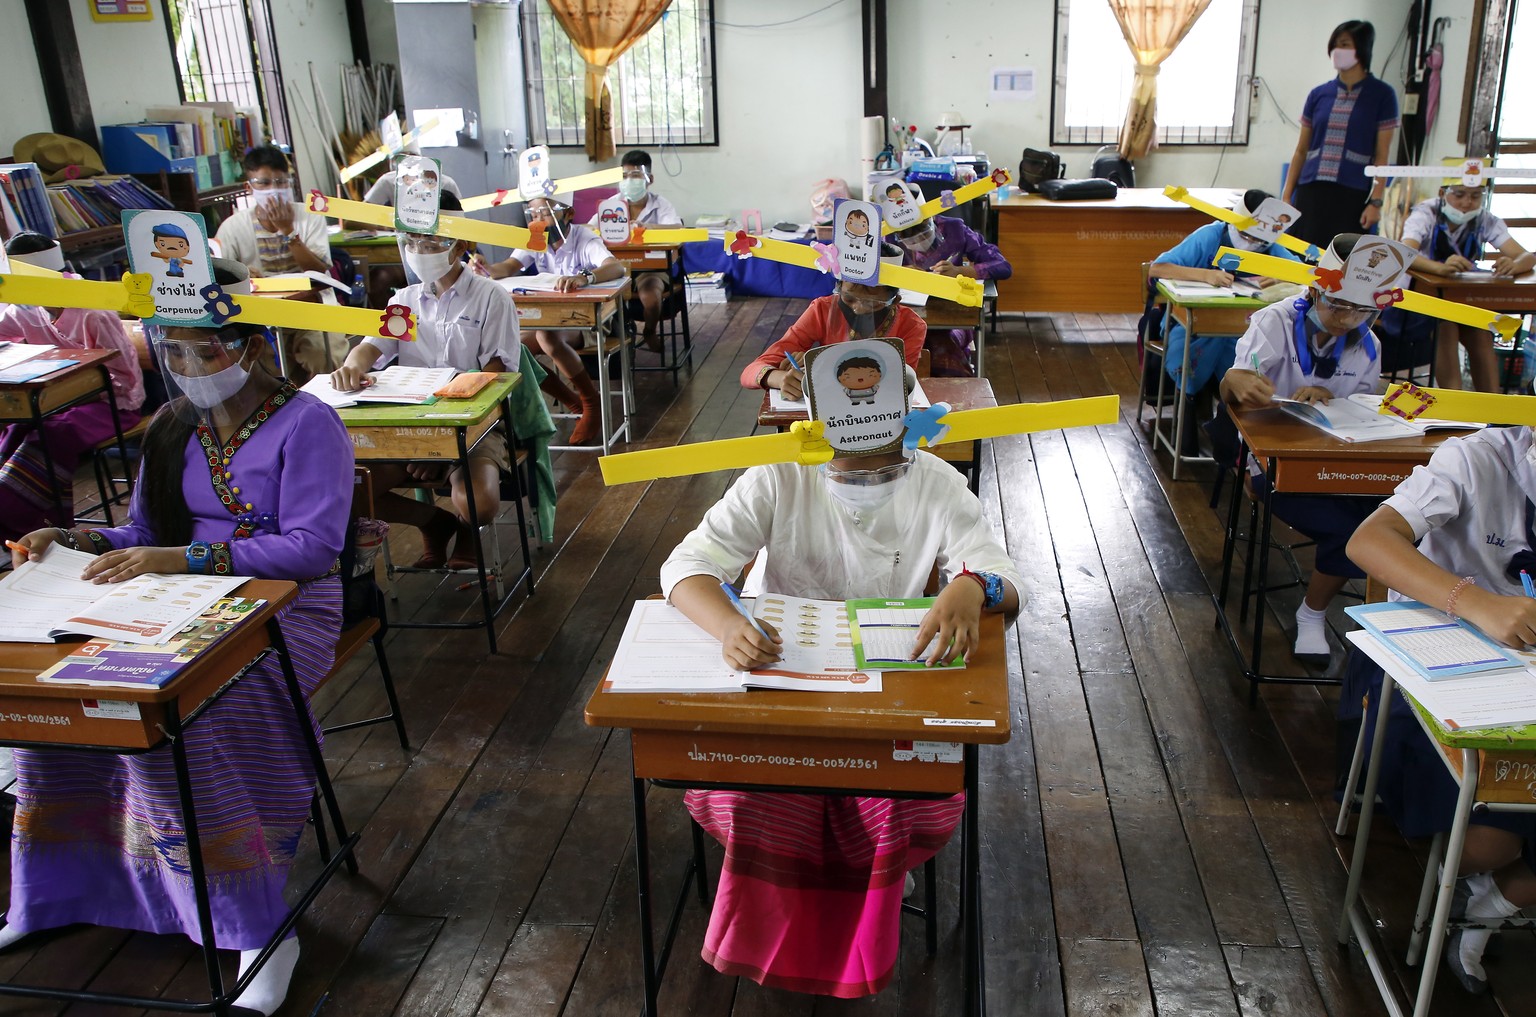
(800, 761)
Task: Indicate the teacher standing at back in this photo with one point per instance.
(1346, 125)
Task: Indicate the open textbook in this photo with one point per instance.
(1358, 418)
(778, 403)
(45, 599)
(117, 664)
(404, 385)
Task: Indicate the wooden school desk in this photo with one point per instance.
(444, 431)
(1299, 458)
(32, 402)
(946, 314)
(1481, 289)
(40, 716)
(597, 310)
(1082, 255)
(666, 259)
(1493, 768)
(1199, 316)
(959, 393)
(856, 743)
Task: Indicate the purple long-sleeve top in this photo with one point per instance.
(955, 237)
(292, 474)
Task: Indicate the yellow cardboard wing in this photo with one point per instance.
(566, 185)
(959, 196)
(1410, 401)
(823, 258)
(459, 228)
(1241, 221)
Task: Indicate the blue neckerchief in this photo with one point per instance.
(1471, 245)
(1303, 343)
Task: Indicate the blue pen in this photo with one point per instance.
(1525, 581)
(730, 591)
(796, 365)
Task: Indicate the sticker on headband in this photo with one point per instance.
(533, 176)
(858, 391)
(172, 249)
(899, 205)
(856, 229)
(1271, 219)
(418, 194)
(1375, 266)
(613, 220)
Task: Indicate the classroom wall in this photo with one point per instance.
(383, 43)
(312, 32)
(25, 111)
(127, 64)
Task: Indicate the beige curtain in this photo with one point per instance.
(602, 31)
(1153, 29)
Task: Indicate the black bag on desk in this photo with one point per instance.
(1078, 190)
(1109, 164)
(1036, 167)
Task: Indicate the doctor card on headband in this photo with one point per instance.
(856, 226)
(172, 249)
(418, 194)
(858, 391)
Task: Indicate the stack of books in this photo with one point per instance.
(96, 202)
(25, 199)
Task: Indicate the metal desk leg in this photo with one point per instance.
(981, 342)
(1229, 546)
(643, 895)
(33, 398)
(1453, 847)
(122, 442)
(195, 857)
(626, 379)
(975, 959)
(474, 528)
(1260, 593)
(1367, 806)
(517, 479)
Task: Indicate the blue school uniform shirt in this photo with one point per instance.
(1345, 122)
(1210, 355)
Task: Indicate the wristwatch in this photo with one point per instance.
(198, 553)
(294, 238)
(991, 587)
(590, 276)
(1374, 202)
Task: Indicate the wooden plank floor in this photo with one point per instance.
(1150, 844)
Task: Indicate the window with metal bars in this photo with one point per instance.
(663, 87)
(225, 51)
(1204, 89)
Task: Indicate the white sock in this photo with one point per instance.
(9, 935)
(1311, 632)
(1487, 902)
(909, 886)
(270, 986)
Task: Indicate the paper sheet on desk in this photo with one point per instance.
(1473, 702)
(779, 404)
(817, 649)
(405, 385)
(545, 282)
(14, 353)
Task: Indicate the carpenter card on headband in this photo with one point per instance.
(858, 390)
(1376, 270)
(899, 204)
(418, 194)
(856, 226)
(613, 220)
(533, 173)
(1272, 218)
(172, 249)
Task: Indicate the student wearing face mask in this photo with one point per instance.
(810, 894)
(1191, 261)
(646, 208)
(276, 235)
(1450, 233)
(946, 246)
(1346, 125)
(26, 491)
(242, 475)
(577, 257)
(466, 322)
(855, 311)
(1312, 349)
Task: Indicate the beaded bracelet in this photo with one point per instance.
(68, 536)
(1456, 591)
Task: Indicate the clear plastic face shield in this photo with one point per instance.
(555, 216)
(220, 376)
(428, 257)
(867, 482)
(634, 182)
(919, 238)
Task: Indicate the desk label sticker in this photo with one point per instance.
(957, 722)
(927, 752)
(529, 313)
(110, 709)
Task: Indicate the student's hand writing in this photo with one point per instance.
(1510, 620)
(952, 626)
(1216, 277)
(791, 381)
(949, 268)
(33, 545)
(567, 283)
(744, 648)
(1248, 390)
(1456, 263)
(349, 378)
(128, 562)
(1312, 394)
(479, 266)
(274, 216)
(1505, 266)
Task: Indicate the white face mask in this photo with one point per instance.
(863, 497)
(632, 188)
(429, 268)
(276, 196)
(1456, 216)
(1343, 59)
(209, 390)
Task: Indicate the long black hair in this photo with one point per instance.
(1363, 34)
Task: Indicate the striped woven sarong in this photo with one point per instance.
(99, 838)
(810, 894)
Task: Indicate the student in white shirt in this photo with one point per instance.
(279, 236)
(1450, 233)
(646, 208)
(1312, 349)
(1456, 535)
(578, 258)
(464, 321)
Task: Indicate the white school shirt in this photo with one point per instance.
(240, 239)
(583, 251)
(658, 211)
(1270, 335)
(821, 549)
(463, 328)
(1421, 223)
(1468, 505)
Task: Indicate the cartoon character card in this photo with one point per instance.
(856, 231)
(418, 194)
(172, 249)
(858, 391)
(534, 178)
(899, 204)
(1375, 269)
(1272, 218)
(613, 220)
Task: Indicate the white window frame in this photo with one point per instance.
(623, 80)
(1063, 133)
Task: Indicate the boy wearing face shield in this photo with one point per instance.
(1312, 349)
(1450, 232)
(646, 208)
(466, 322)
(946, 246)
(576, 256)
(855, 311)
